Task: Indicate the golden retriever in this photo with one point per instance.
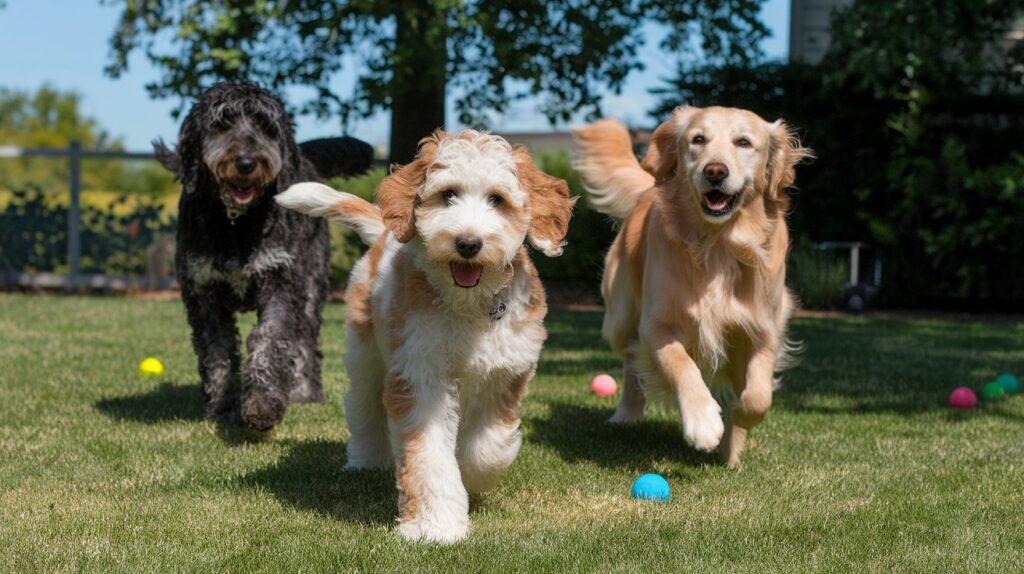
(695, 282)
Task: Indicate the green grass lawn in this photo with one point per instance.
(860, 466)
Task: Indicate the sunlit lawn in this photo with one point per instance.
(860, 467)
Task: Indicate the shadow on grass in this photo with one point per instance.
(575, 330)
(850, 365)
(901, 367)
(169, 402)
(582, 433)
(310, 477)
(166, 402)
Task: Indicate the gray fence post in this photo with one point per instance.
(74, 215)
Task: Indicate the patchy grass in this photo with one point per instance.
(860, 467)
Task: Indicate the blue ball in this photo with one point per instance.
(1010, 383)
(651, 487)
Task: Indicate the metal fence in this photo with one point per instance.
(74, 279)
(150, 265)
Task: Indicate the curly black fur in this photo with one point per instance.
(239, 251)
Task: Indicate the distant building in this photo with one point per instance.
(809, 33)
(540, 142)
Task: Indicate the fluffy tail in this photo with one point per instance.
(611, 173)
(318, 200)
(334, 157)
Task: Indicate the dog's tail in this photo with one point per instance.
(335, 157)
(611, 174)
(318, 200)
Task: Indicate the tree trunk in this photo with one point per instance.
(418, 83)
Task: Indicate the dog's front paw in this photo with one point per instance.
(380, 462)
(434, 531)
(627, 414)
(262, 411)
(702, 424)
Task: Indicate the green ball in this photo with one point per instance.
(992, 391)
(1010, 383)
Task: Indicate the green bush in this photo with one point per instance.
(817, 277)
(114, 237)
(962, 225)
(590, 232)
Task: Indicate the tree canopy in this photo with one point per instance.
(916, 115)
(53, 118)
(410, 54)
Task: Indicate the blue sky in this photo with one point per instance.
(64, 43)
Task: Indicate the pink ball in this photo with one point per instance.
(963, 399)
(603, 385)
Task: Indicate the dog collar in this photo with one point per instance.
(233, 212)
(500, 304)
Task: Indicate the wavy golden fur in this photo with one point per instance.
(694, 283)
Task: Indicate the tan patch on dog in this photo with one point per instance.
(397, 193)
(399, 398)
(409, 480)
(412, 294)
(359, 293)
(355, 209)
(512, 397)
(550, 204)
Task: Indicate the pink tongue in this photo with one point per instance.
(716, 201)
(243, 195)
(466, 274)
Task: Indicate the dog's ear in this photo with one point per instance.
(398, 193)
(662, 155)
(784, 152)
(189, 152)
(166, 156)
(550, 205)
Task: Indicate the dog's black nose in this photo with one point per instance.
(468, 246)
(716, 172)
(245, 165)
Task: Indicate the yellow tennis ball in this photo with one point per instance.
(151, 367)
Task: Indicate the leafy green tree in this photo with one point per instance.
(117, 224)
(411, 54)
(47, 117)
(944, 71)
(51, 118)
(914, 114)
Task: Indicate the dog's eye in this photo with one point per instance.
(449, 196)
(743, 142)
(698, 139)
(495, 200)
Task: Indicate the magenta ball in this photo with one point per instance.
(963, 398)
(603, 385)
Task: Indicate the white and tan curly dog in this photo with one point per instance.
(445, 318)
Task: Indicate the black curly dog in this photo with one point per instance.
(239, 251)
